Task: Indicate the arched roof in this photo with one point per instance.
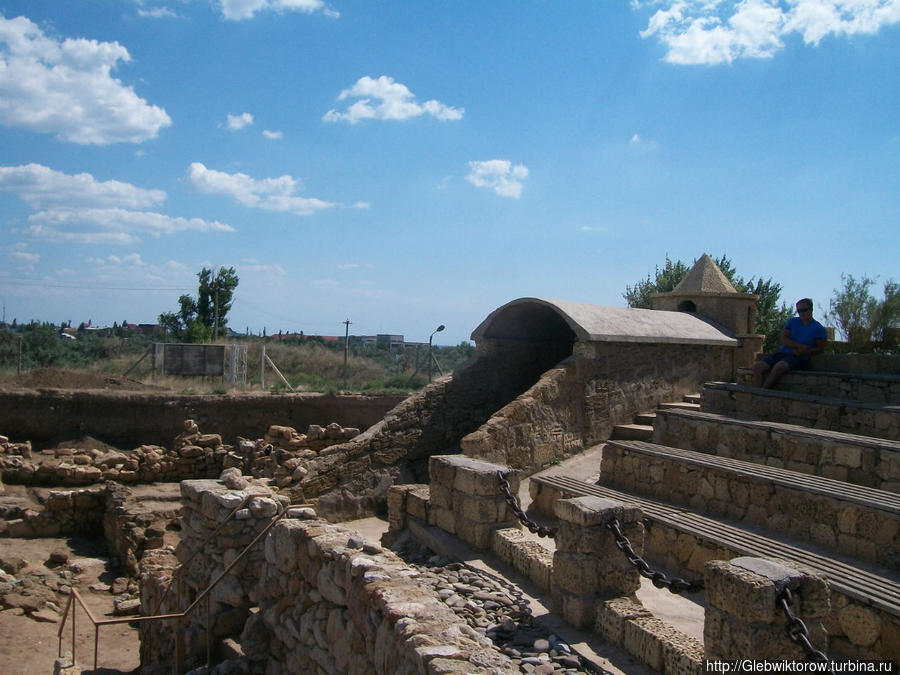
(540, 319)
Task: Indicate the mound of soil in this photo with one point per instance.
(58, 378)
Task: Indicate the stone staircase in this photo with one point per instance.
(805, 474)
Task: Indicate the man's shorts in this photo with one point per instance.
(795, 362)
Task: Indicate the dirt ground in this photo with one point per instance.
(30, 647)
(59, 378)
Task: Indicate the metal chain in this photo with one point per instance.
(532, 526)
(798, 632)
(660, 580)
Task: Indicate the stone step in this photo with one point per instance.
(632, 432)
(645, 418)
(874, 388)
(683, 541)
(861, 460)
(678, 405)
(820, 412)
(691, 398)
(857, 521)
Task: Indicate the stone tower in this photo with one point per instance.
(706, 291)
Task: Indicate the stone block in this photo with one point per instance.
(590, 510)
(641, 640)
(481, 509)
(612, 614)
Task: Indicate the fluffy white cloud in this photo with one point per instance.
(238, 122)
(41, 187)
(112, 226)
(499, 175)
(271, 194)
(66, 88)
(719, 31)
(384, 99)
(237, 10)
(78, 208)
(273, 135)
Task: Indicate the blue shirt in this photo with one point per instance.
(805, 335)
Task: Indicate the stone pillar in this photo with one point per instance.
(588, 568)
(466, 499)
(744, 619)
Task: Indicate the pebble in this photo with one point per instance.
(495, 608)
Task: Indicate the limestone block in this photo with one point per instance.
(612, 614)
(481, 509)
(441, 495)
(640, 639)
(417, 502)
(860, 624)
(442, 517)
(751, 596)
(590, 510)
(477, 477)
(576, 573)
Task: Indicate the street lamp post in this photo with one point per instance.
(430, 355)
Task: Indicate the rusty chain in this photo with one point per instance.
(658, 579)
(532, 526)
(798, 633)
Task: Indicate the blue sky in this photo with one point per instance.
(407, 164)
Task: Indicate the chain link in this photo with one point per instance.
(660, 580)
(798, 633)
(657, 578)
(532, 526)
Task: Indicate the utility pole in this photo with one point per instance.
(346, 348)
(216, 324)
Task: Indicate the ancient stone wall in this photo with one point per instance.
(351, 480)
(577, 404)
(279, 455)
(127, 420)
(327, 601)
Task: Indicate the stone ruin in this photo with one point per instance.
(777, 504)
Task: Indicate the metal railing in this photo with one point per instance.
(75, 599)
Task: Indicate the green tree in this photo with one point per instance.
(771, 314)
(852, 308)
(663, 281)
(197, 320)
(860, 317)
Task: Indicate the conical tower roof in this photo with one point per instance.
(704, 278)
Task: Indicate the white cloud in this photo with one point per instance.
(112, 226)
(362, 206)
(237, 10)
(41, 187)
(271, 194)
(384, 99)
(273, 135)
(499, 175)
(20, 254)
(717, 31)
(66, 88)
(157, 13)
(78, 208)
(238, 122)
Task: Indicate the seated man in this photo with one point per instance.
(802, 337)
